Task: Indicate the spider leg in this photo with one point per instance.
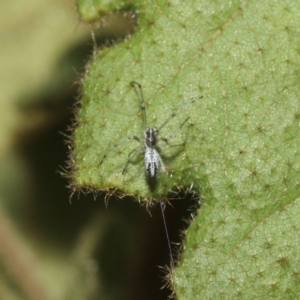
(163, 168)
(174, 114)
(134, 151)
(142, 99)
(129, 138)
(166, 140)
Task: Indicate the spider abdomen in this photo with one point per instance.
(152, 159)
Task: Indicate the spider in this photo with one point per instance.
(148, 145)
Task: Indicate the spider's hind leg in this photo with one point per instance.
(131, 153)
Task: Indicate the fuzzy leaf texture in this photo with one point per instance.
(240, 147)
(91, 10)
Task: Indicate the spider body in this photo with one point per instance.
(152, 158)
(148, 145)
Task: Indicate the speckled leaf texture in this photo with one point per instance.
(240, 147)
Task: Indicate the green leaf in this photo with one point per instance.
(91, 10)
(241, 143)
